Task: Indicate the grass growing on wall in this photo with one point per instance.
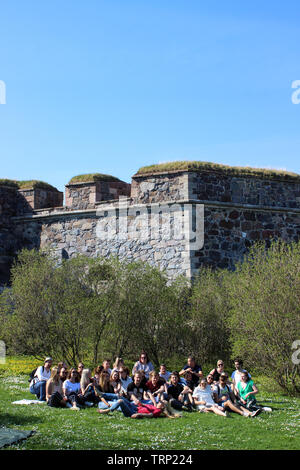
(230, 170)
(92, 177)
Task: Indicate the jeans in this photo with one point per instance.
(128, 408)
(39, 389)
(110, 396)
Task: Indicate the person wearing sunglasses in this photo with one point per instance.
(217, 371)
(225, 398)
(143, 364)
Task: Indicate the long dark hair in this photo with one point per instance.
(143, 353)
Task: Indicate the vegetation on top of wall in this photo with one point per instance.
(230, 170)
(6, 182)
(91, 177)
(28, 184)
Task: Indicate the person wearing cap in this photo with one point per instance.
(42, 374)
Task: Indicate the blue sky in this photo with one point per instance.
(110, 86)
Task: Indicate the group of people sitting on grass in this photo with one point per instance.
(146, 392)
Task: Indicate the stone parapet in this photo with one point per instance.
(86, 195)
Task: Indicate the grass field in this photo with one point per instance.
(87, 430)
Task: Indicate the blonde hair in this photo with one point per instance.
(85, 376)
(117, 362)
(54, 377)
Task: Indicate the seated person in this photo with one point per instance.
(38, 383)
(163, 373)
(156, 385)
(143, 364)
(97, 373)
(217, 371)
(105, 388)
(106, 365)
(194, 368)
(224, 397)
(188, 389)
(137, 390)
(246, 394)
(125, 380)
(237, 373)
(80, 368)
(203, 399)
(54, 390)
(175, 394)
(71, 389)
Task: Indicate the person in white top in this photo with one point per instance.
(237, 374)
(71, 388)
(125, 380)
(164, 373)
(203, 399)
(143, 364)
(38, 384)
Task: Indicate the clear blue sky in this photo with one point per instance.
(110, 86)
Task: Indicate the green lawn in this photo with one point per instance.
(86, 429)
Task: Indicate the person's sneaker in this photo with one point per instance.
(255, 413)
(246, 414)
(76, 408)
(267, 409)
(226, 414)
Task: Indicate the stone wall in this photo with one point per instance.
(39, 198)
(8, 209)
(216, 186)
(230, 231)
(159, 188)
(238, 210)
(86, 195)
(98, 232)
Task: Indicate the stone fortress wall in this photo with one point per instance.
(238, 209)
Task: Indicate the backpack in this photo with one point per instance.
(219, 390)
(32, 374)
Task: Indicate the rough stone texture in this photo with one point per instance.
(39, 198)
(229, 233)
(238, 212)
(158, 188)
(215, 186)
(86, 195)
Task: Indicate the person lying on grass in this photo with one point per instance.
(224, 397)
(203, 399)
(135, 409)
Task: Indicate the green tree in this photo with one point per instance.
(264, 294)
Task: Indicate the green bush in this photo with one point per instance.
(264, 321)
